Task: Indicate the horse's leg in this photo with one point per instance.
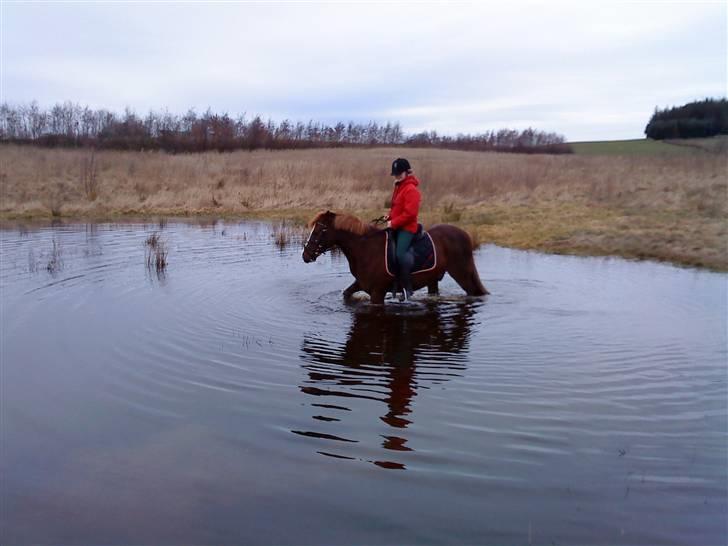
(377, 296)
(467, 277)
(432, 288)
(351, 290)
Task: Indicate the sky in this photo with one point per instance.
(585, 70)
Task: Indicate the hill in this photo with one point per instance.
(645, 146)
(640, 146)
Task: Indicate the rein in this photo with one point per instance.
(320, 245)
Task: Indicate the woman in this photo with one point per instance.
(403, 219)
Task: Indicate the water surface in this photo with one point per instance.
(235, 398)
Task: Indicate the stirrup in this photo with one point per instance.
(406, 295)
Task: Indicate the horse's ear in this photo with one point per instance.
(320, 216)
(315, 219)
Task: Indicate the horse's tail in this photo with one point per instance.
(476, 283)
(473, 246)
(460, 263)
(478, 288)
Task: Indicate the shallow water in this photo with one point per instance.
(236, 399)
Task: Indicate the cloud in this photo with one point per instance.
(587, 70)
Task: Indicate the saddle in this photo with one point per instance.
(422, 247)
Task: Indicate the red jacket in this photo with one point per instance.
(405, 204)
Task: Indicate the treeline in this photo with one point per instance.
(697, 119)
(72, 125)
(504, 140)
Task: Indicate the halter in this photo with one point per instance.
(321, 247)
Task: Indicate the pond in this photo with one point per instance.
(233, 397)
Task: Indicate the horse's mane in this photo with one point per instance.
(346, 222)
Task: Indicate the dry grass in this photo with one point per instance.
(156, 253)
(663, 207)
(55, 261)
(286, 233)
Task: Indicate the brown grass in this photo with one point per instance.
(671, 208)
(156, 253)
(55, 262)
(286, 232)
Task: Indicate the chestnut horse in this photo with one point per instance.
(363, 245)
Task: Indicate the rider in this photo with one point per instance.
(403, 219)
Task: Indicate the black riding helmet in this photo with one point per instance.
(400, 165)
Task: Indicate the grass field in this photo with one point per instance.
(638, 147)
(661, 206)
(716, 145)
(644, 146)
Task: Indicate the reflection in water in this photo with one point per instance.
(389, 354)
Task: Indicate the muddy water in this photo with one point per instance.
(236, 399)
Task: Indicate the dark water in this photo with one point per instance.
(237, 399)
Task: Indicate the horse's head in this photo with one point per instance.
(321, 238)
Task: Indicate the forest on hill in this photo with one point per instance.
(698, 119)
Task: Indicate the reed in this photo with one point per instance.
(55, 261)
(153, 240)
(32, 264)
(156, 253)
(286, 232)
(89, 176)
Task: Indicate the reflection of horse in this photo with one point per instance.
(363, 245)
(380, 361)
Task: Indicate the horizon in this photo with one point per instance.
(589, 73)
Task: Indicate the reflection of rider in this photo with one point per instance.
(403, 219)
(380, 357)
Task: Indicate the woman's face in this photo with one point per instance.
(400, 177)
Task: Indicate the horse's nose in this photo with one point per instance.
(305, 257)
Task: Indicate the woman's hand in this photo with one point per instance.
(389, 223)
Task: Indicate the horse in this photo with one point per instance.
(363, 245)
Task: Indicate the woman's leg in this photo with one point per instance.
(404, 240)
(405, 261)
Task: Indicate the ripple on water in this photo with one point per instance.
(580, 401)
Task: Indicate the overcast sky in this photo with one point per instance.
(586, 70)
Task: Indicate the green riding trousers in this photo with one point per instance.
(404, 240)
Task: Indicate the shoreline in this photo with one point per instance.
(482, 234)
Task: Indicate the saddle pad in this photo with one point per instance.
(424, 252)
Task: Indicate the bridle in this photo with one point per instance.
(321, 245)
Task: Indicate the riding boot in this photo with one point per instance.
(395, 287)
(405, 275)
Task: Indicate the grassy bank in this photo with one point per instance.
(665, 206)
(644, 146)
(639, 147)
